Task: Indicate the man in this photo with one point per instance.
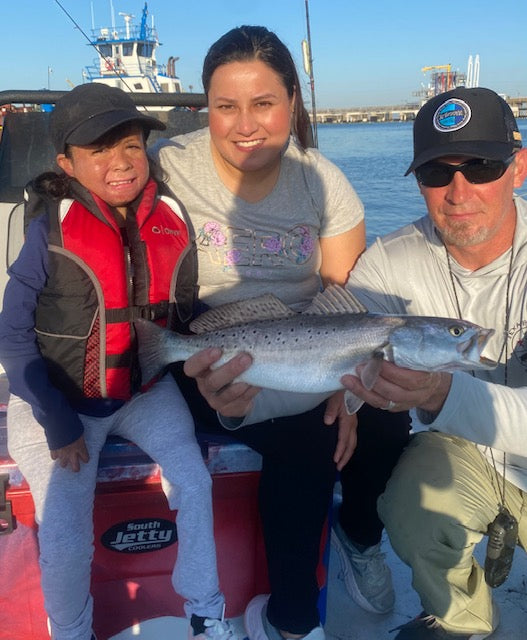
(468, 259)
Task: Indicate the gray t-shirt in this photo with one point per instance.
(247, 249)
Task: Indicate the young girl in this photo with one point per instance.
(91, 263)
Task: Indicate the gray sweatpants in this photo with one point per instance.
(160, 423)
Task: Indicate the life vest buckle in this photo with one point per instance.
(147, 312)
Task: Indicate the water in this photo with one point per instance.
(374, 157)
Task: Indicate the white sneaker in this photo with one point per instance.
(210, 629)
(258, 627)
(367, 577)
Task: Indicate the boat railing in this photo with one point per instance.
(42, 96)
(153, 79)
(92, 71)
(149, 70)
(132, 32)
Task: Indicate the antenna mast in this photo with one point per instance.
(308, 67)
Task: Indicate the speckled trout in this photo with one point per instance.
(311, 351)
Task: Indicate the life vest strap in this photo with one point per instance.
(156, 311)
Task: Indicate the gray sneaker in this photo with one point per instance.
(366, 575)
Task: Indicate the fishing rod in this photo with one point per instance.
(308, 68)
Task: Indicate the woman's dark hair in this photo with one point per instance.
(258, 43)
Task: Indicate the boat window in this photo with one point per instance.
(105, 50)
(128, 49)
(138, 86)
(144, 49)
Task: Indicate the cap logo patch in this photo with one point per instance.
(452, 115)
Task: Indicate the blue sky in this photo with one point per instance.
(364, 52)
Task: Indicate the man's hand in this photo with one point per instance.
(72, 455)
(399, 389)
(347, 436)
(231, 399)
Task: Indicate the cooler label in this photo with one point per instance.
(140, 536)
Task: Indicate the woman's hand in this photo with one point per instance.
(72, 454)
(399, 389)
(347, 435)
(231, 399)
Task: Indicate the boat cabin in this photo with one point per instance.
(126, 58)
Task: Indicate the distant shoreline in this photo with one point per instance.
(393, 113)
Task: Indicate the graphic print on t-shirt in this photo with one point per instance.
(229, 246)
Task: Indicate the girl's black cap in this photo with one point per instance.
(89, 111)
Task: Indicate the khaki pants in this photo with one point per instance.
(437, 506)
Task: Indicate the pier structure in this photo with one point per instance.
(368, 114)
(396, 113)
(518, 106)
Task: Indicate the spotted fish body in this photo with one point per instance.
(311, 351)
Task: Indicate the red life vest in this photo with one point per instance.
(101, 278)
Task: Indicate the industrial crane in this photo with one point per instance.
(441, 83)
(437, 66)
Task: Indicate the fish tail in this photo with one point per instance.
(151, 348)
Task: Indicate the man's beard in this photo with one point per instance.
(463, 234)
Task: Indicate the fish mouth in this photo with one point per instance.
(472, 348)
(484, 336)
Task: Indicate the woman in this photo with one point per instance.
(270, 215)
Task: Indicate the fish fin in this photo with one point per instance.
(352, 402)
(371, 371)
(335, 299)
(263, 307)
(150, 340)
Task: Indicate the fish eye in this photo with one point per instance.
(456, 330)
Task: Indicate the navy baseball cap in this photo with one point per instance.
(476, 122)
(91, 110)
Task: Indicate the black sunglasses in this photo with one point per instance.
(476, 171)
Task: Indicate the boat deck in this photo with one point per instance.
(347, 621)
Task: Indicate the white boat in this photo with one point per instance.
(126, 58)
